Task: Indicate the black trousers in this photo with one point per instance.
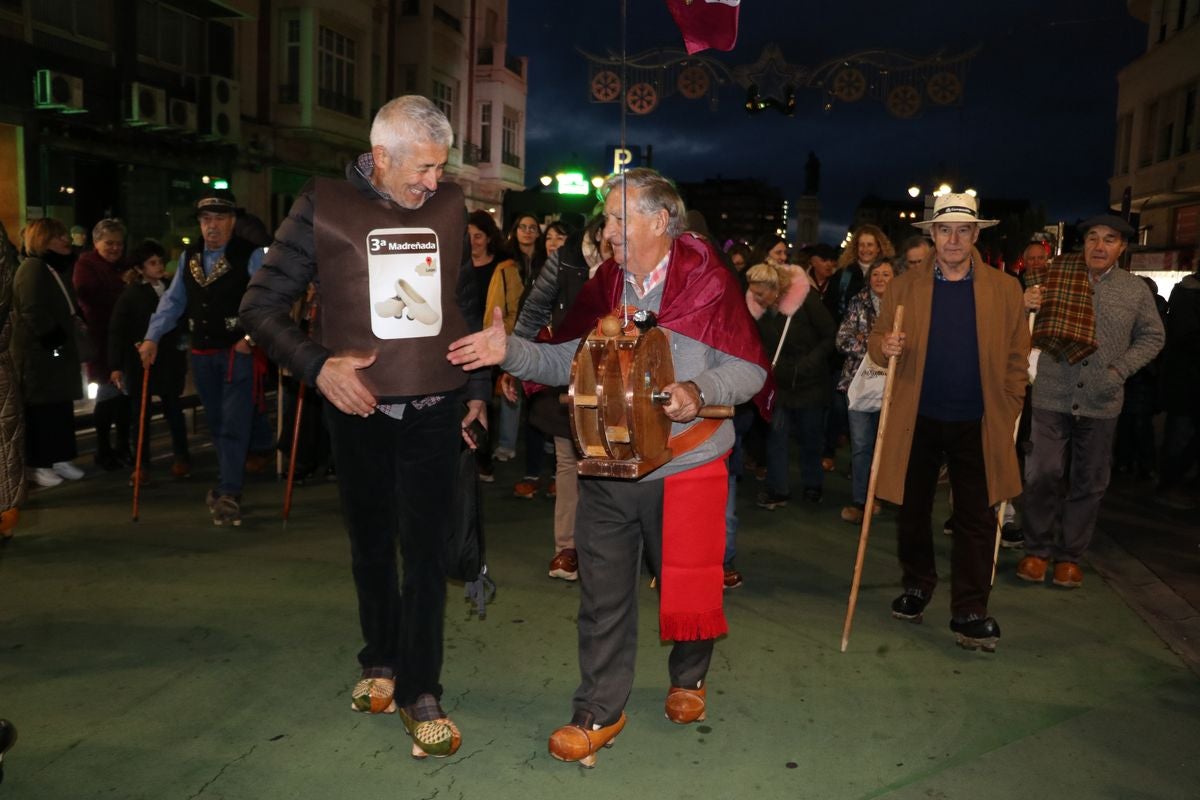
(396, 479)
(614, 521)
(960, 444)
(49, 433)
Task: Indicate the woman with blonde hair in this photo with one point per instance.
(797, 330)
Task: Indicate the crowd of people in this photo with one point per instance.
(414, 350)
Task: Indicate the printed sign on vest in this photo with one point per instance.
(406, 291)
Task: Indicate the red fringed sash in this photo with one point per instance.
(691, 587)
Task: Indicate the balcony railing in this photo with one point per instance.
(511, 160)
(335, 101)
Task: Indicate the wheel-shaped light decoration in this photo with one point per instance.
(943, 88)
(904, 102)
(849, 85)
(693, 82)
(641, 98)
(606, 86)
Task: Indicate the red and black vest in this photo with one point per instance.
(213, 300)
(354, 300)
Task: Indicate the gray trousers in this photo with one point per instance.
(615, 520)
(1059, 524)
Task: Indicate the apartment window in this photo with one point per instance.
(88, 19)
(485, 133)
(443, 98)
(1124, 143)
(408, 78)
(170, 37)
(446, 18)
(1146, 140)
(1165, 132)
(1188, 128)
(510, 153)
(336, 73)
(289, 89)
(410, 8)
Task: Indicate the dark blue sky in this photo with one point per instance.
(1037, 121)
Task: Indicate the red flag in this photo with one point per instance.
(706, 23)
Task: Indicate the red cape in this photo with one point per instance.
(701, 300)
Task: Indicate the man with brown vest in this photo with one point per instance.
(386, 249)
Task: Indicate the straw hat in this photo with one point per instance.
(955, 208)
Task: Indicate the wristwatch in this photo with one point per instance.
(699, 391)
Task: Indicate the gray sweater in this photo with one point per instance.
(724, 379)
(1129, 332)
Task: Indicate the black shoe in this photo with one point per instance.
(771, 501)
(1011, 536)
(812, 494)
(910, 605)
(8, 737)
(124, 456)
(108, 462)
(976, 632)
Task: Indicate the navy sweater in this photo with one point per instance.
(951, 390)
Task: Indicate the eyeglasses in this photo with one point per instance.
(529, 228)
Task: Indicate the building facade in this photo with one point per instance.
(127, 107)
(1156, 164)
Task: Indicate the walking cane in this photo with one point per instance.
(291, 473)
(1004, 503)
(869, 507)
(278, 420)
(141, 442)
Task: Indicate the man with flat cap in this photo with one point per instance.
(212, 277)
(1097, 325)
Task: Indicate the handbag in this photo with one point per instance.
(865, 392)
(85, 346)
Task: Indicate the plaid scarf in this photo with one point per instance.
(1066, 322)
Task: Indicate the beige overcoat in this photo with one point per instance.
(1003, 336)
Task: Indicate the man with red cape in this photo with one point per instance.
(676, 512)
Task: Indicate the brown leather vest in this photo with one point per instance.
(386, 282)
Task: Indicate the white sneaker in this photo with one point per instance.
(45, 477)
(65, 469)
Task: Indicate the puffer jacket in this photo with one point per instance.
(43, 343)
(12, 411)
(1181, 357)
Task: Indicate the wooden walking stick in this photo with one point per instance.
(1004, 503)
(278, 420)
(141, 442)
(291, 473)
(869, 507)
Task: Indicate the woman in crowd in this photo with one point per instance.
(852, 343)
(99, 280)
(45, 349)
(769, 249)
(739, 257)
(12, 420)
(146, 283)
(797, 331)
(487, 252)
(556, 236)
(509, 285)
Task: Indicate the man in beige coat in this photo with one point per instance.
(960, 379)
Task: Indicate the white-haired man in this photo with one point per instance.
(960, 379)
(677, 512)
(386, 247)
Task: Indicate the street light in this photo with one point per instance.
(972, 192)
(914, 191)
(597, 181)
(546, 180)
(943, 190)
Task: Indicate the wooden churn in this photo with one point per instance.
(616, 399)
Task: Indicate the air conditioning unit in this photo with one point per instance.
(145, 106)
(220, 109)
(181, 115)
(56, 91)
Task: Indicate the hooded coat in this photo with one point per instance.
(802, 377)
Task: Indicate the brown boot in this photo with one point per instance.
(685, 705)
(1032, 569)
